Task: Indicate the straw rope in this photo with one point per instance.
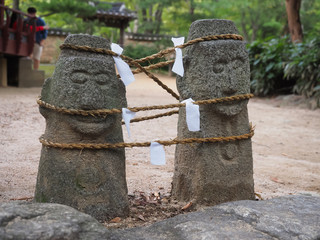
(154, 66)
(157, 55)
(153, 77)
(166, 114)
(130, 61)
(103, 112)
(100, 146)
(150, 67)
(160, 54)
(139, 68)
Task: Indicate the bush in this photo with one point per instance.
(137, 51)
(278, 66)
(267, 61)
(305, 68)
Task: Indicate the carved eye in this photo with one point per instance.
(79, 77)
(101, 79)
(218, 68)
(237, 63)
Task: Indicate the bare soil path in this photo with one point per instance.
(286, 145)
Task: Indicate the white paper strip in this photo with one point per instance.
(157, 154)
(192, 115)
(127, 115)
(178, 64)
(123, 68)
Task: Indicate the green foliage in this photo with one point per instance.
(137, 51)
(48, 69)
(255, 19)
(80, 7)
(150, 15)
(278, 66)
(310, 14)
(305, 68)
(267, 60)
(68, 14)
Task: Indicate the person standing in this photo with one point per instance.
(40, 37)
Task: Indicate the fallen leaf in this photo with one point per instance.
(115, 220)
(141, 218)
(22, 198)
(274, 179)
(164, 200)
(284, 154)
(258, 195)
(186, 206)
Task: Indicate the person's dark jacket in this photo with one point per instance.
(41, 35)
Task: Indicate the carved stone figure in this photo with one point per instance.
(212, 173)
(92, 181)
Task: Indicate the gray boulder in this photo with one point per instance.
(291, 217)
(34, 221)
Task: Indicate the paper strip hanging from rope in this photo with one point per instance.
(178, 63)
(123, 68)
(157, 154)
(192, 115)
(127, 115)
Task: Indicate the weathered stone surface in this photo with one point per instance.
(26, 221)
(214, 173)
(92, 181)
(291, 217)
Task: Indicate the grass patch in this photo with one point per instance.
(48, 69)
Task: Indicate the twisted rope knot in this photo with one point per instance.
(103, 112)
(100, 146)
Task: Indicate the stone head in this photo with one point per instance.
(215, 69)
(86, 81)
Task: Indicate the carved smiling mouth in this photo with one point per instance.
(90, 119)
(91, 126)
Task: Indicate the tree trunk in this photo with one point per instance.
(243, 25)
(16, 4)
(191, 10)
(158, 18)
(295, 29)
(144, 15)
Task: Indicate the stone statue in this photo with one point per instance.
(92, 181)
(212, 173)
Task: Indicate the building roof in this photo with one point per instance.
(113, 14)
(58, 32)
(146, 37)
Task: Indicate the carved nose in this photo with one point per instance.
(230, 86)
(228, 90)
(91, 97)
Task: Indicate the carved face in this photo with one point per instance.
(87, 84)
(215, 70)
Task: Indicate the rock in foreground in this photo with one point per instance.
(291, 217)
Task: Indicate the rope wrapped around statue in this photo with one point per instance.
(136, 63)
(84, 101)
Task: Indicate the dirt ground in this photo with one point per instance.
(286, 145)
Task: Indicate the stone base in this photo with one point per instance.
(27, 76)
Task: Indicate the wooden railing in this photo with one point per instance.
(16, 34)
